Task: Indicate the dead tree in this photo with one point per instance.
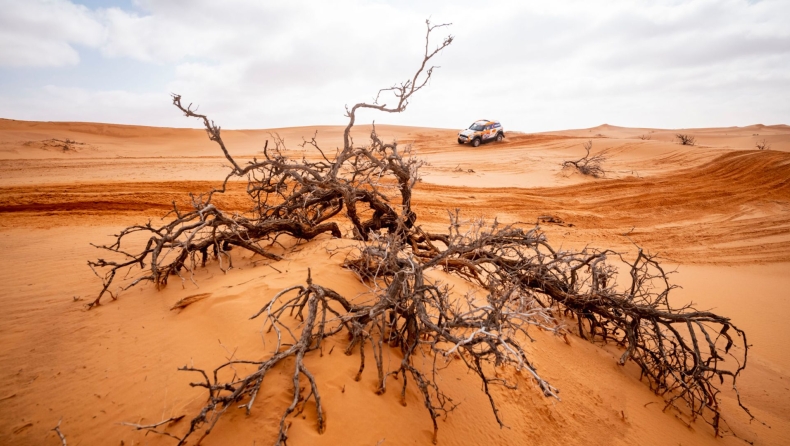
(589, 165)
(685, 139)
(762, 145)
(522, 283)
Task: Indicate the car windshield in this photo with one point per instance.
(477, 127)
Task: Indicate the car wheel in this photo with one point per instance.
(500, 137)
(476, 142)
(460, 142)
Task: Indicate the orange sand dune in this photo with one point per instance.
(719, 211)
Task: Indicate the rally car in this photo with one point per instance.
(482, 131)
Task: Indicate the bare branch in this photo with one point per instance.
(60, 434)
(589, 165)
(685, 139)
(152, 427)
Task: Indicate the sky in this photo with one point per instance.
(533, 65)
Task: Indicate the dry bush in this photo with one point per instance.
(64, 145)
(685, 139)
(589, 165)
(646, 137)
(523, 284)
(762, 145)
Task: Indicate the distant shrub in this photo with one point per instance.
(762, 145)
(686, 140)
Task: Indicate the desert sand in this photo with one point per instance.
(718, 212)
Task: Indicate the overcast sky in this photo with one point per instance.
(534, 65)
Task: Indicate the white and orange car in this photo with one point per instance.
(482, 131)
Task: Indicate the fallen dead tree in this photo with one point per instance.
(589, 164)
(522, 282)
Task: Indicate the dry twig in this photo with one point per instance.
(60, 434)
(152, 427)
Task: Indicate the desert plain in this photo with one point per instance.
(717, 213)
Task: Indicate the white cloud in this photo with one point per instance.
(537, 65)
(41, 33)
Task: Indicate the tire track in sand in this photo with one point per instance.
(731, 209)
